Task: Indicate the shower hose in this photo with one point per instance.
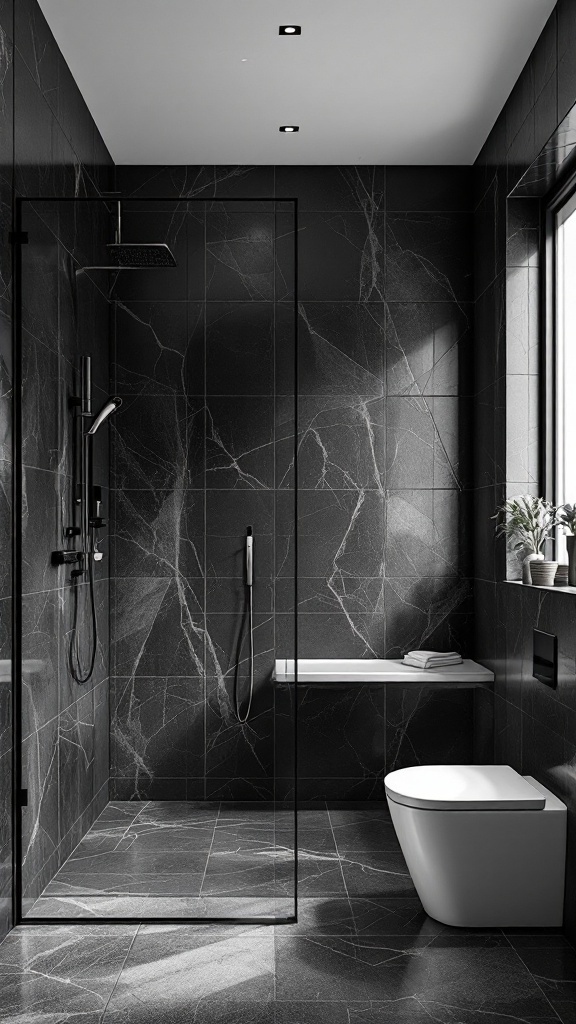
(243, 718)
(75, 661)
(247, 619)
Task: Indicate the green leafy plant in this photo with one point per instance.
(529, 520)
(567, 518)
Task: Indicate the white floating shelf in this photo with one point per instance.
(373, 670)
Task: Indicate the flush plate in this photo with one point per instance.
(545, 657)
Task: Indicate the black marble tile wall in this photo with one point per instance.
(62, 731)
(533, 724)
(51, 148)
(193, 465)
(64, 316)
(205, 446)
(350, 736)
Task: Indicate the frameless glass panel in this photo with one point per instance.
(159, 559)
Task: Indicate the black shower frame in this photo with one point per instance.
(17, 240)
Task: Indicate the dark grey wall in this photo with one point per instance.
(534, 726)
(52, 149)
(385, 391)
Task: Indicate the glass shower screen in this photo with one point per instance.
(158, 559)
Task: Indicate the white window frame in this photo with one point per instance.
(564, 362)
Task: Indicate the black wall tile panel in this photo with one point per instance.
(385, 354)
(428, 256)
(160, 348)
(425, 726)
(333, 189)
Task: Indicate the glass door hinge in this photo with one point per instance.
(24, 798)
(18, 237)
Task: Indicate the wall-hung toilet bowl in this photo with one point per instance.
(485, 846)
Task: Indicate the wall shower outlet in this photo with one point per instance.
(545, 657)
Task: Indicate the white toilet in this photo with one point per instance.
(486, 847)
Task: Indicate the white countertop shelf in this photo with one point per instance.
(373, 670)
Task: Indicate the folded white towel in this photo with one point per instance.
(431, 664)
(433, 655)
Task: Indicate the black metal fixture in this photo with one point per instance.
(133, 255)
(289, 128)
(545, 657)
(89, 504)
(290, 30)
(247, 625)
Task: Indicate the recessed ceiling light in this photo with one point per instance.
(290, 30)
(244, 59)
(289, 128)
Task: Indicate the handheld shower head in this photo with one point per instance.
(249, 557)
(111, 406)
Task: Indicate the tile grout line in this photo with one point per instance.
(340, 864)
(124, 962)
(210, 850)
(534, 979)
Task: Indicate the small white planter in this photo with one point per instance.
(527, 563)
(543, 573)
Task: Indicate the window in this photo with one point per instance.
(562, 372)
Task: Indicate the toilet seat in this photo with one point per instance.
(458, 787)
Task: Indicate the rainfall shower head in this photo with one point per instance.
(111, 406)
(135, 256)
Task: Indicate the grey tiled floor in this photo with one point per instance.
(158, 859)
(223, 860)
(363, 950)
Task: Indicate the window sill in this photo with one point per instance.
(536, 586)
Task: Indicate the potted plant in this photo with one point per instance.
(567, 519)
(529, 522)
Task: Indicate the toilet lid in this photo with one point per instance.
(453, 787)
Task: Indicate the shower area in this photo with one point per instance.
(156, 558)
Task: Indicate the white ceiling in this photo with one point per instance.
(368, 81)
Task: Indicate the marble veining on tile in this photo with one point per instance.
(384, 354)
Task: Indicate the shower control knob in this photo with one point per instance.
(64, 557)
(98, 556)
(97, 522)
